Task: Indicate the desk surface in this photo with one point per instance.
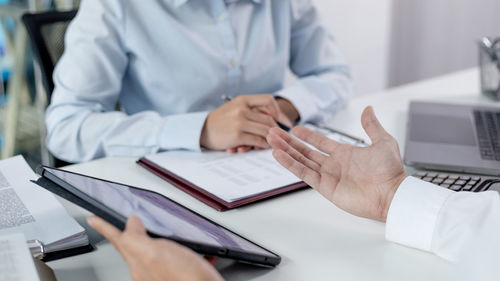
(316, 240)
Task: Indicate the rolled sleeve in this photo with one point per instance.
(324, 82)
(414, 212)
(298, 96)
(182, 131)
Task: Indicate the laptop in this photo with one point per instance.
(454, 146)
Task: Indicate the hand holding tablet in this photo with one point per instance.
(154, 259)
(162, 217)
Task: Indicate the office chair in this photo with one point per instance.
(46, 32)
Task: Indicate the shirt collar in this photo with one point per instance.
(178, 3)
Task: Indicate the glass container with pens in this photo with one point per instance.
(489, 63)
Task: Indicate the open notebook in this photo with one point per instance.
(226, 181)
(26, 208)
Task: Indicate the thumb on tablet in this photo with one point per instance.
(135, 226)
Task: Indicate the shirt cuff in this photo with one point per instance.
(182, 131)
(300, 97)
(414, 212)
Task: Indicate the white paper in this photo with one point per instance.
(227, 176)
(16, 261)
(25, 207)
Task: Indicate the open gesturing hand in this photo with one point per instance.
(359, 180)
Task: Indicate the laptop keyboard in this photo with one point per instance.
(451, 181)
(488, 134)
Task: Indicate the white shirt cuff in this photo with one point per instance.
(413, 213)
(300, 97)
(182, 131)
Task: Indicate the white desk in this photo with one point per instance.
(316, 240)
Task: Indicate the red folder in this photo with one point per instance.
(208, 198)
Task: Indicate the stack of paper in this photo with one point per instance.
(29, 209)
(17, 263)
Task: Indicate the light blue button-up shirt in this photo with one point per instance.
(167, 63)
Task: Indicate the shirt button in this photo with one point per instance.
(234, 63)
(223, 16)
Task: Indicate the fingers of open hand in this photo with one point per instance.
(311, 154)
(372, 126)
(316, 139)
(303, 172)
(279, 139)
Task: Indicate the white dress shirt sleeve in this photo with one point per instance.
(81, 121)
(430, 218)
(324, 82)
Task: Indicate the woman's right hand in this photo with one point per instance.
(237, 124)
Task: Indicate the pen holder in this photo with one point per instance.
(489, 64)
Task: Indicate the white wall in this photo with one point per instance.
(362, 29)
(391, 42)
(432, 37)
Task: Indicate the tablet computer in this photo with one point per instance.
(161, 216)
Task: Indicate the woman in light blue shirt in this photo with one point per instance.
(168, 62)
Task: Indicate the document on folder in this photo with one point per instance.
(230, 177)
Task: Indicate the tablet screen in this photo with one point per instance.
(159, 214)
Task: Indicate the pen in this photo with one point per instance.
(226, 98)
(358, 140)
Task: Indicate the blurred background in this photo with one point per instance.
(386, 42)
(393, 42)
